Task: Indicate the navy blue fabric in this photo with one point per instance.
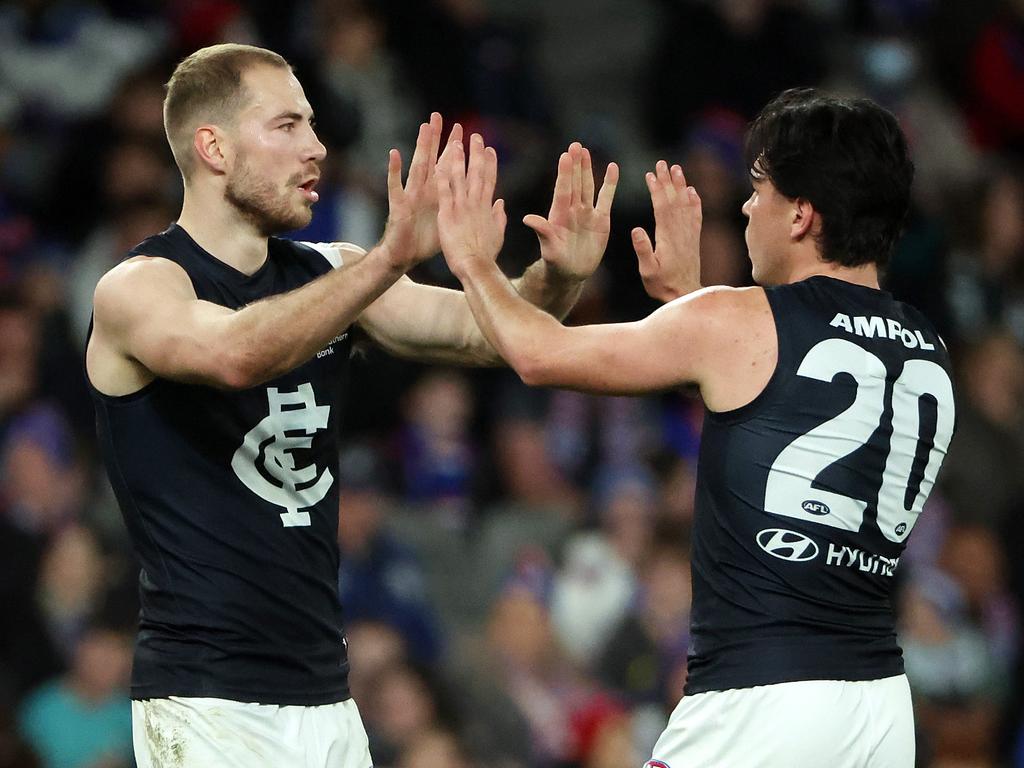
(234, 604)
(776, 598)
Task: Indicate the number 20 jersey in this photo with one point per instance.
(806, 495)
(231, 501)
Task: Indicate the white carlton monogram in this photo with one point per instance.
(290, 412)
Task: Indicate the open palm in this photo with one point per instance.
(412, 215)
(575, 233)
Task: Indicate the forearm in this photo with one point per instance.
(516, 330)
(436, 325)
(278, 334)
(543, 287)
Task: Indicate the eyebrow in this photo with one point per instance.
(292, 116)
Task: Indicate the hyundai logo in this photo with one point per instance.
(787, 545)
(815, 507)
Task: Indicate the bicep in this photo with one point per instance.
(150, 314)
(662, 351)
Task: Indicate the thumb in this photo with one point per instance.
(538, 224)
(644, 251)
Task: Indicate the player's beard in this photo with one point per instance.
(263, 205)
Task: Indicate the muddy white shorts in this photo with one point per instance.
(203, 733)
(807, 724)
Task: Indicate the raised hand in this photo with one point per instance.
(671, 268)
(411, 232)
(471, 226)
(575, 233)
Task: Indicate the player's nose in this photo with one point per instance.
(317, 151)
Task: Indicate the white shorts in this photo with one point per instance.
(207, 733)
(806, 724)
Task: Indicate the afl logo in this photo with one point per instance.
(813, 507)
(787, 545)
(655, 764)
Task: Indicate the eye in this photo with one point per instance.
(287, 126)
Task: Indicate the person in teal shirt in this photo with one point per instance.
(83, 719)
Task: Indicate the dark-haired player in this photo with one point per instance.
(217, 361)
(829, 411)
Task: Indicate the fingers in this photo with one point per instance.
(694, 200)
(678, 178)
(394, 175)
(644, 252)
(457, 171)
(455, 134)
(490, 174)
(665, 180)
(499, 215)
(475, 174)
(586, 177)
(561, 198)
(435, 138)
(538, 224)
(659, 200)
(443, 181)
(576, 153)
(607, 193)
(418, 164)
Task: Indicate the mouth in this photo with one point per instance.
(308, 189)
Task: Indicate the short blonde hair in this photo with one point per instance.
(207, 87)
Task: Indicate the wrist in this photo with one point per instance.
(469, 268)
(557, 277)
(391, 258)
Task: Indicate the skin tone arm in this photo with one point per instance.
(148, 321)
(691, 339)
(430, 324)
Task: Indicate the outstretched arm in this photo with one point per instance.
(149, 322)
(431, 324)
(666, 349)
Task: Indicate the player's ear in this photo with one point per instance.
(211, 147)
(805, 219)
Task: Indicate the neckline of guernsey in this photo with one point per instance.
(848, 284)
(223, 266)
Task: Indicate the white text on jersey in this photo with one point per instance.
(866, 561)
(882, 327)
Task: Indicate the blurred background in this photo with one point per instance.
(515, 572)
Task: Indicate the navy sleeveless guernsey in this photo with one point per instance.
(231, 503)
(806, 496)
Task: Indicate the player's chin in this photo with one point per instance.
(301, 216)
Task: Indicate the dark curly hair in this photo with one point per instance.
(848, 157)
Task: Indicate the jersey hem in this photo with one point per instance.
(305, 699)
(737, 682)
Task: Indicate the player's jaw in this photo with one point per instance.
(272, 207)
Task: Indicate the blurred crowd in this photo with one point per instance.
(514, 563)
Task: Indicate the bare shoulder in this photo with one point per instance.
(136, 282)
(720, 309)
(726, 298)
(737, 334)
